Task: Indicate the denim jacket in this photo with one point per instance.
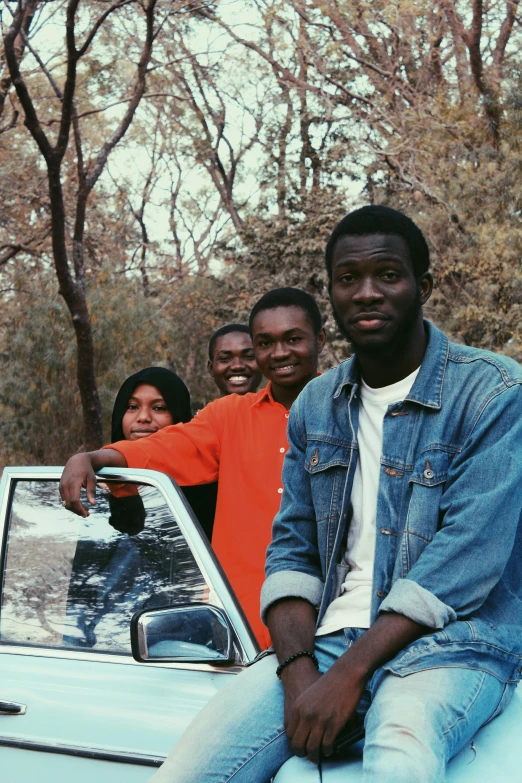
(448, 541)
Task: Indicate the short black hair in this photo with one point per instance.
(224, 330)
(375, 219)
(288, 297)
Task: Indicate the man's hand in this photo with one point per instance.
(80, 472)
(297, 679)
(317, 707)
(322, 710)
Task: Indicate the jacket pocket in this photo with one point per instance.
(327, 464)
(426, 486)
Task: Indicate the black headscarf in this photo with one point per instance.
(173, 391)
(128, 513)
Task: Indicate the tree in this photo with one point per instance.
(40, 420)
(19, 42)
(261, 124)
(417, 103)
(69, 261)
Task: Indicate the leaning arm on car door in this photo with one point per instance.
(189, 453)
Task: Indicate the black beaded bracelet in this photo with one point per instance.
(294, 657)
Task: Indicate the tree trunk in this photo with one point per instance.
(74, 296)
(73, 288)
(86, 376)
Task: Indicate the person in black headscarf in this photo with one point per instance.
(147, 401)
(154, 391)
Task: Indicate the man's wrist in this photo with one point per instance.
(296, 657)
(298, 677)
(357, 667)
(390, 634)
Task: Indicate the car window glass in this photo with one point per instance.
(75, 583)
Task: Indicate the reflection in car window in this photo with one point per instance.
(72, 582)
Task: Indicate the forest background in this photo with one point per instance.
(165, 162)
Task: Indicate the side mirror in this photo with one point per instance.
(195, 633)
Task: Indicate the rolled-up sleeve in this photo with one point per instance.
(413, 601)
(293, 567)
(189, 453)
(480, 511)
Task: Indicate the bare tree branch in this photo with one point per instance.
(13, 62)
(88, 41)
(96, 167)
(11, 123)
(91, 112)
(30, 247)
(505, 32)
(11, 252)
(45, 69)
(27, 20)
(70, 81)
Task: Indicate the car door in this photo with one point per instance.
(74, 705)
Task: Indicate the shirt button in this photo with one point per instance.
(280, 490)
(282, 451)
(428, 474)
(286, 415)
(381, 594)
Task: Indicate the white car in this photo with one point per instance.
(79, 699)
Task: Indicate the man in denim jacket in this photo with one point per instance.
(393, 590)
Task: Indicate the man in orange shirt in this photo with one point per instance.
(232, 366)
(239, 439)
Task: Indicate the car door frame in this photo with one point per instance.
(220, 594)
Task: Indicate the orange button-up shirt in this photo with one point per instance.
(241, 441)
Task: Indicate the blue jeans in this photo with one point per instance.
(414, 724)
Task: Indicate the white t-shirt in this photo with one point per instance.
(352, 608)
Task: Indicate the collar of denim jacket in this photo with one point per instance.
(427, 388)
